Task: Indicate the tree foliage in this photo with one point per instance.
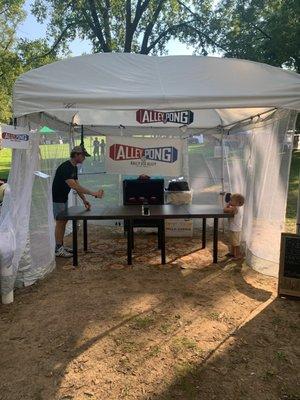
(16, 55)
(141, 26)
(258, 30)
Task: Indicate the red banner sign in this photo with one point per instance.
(183, 117)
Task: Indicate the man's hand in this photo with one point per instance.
(99, 194)
(87, 205)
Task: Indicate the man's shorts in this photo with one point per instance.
(235, 238)
(59, 207)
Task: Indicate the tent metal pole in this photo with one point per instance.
(120, 176)
(234, 124)
(222, 173)
(298, 210)
(237, 123)
(71, 145)
(81, 136)
(185, 160)
(222, 157)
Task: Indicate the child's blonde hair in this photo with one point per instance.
(240, 199)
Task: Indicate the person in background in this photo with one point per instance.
(96, 146)
(102, 145)
(65, 179)
(235, 224)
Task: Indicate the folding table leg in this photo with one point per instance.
(215, 243)
(129, 242)
(163, 242)
(75, 246)
(85, 235)
(203, 233)
(159, 235)
(132, 237)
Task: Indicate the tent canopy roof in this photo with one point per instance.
(106, 89)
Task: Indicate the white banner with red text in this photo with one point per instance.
(14, 137)
(137, 156)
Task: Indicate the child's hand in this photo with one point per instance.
(230, 209)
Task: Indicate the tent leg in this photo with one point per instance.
(185, 160)
(120, 175)
(298, 210)
(8, 298)
(222, 174)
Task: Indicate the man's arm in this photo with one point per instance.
(81, 195)
(86, 203)
(73, 184)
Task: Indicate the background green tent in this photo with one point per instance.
(45, 130)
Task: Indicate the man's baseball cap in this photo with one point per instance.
(80, 149)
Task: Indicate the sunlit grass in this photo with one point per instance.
(5, 161)
(291, 209)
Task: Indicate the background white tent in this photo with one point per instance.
(103, 92)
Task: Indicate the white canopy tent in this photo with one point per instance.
(104, 88)
(248, 108)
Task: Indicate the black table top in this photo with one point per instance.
(165, 211)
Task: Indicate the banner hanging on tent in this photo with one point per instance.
(14, 137)
(136, 156)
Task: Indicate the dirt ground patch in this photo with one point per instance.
(189, 330)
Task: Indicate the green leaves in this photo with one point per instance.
(261, 31)
(264, 31)
(17, 55)
(143, 26)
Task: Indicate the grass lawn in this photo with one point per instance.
(291, 210)
(5, 161)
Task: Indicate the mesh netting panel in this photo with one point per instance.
(255, 162)
(258, 167)
(205, 170)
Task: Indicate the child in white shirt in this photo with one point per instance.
(235, 223)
